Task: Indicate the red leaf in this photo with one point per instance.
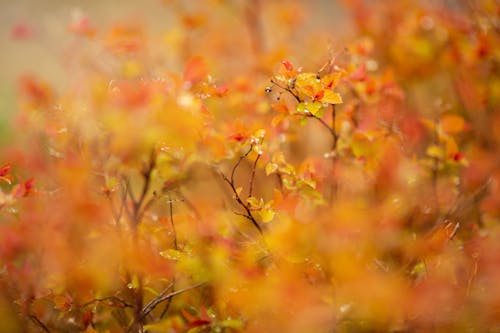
(87, 318)
(22, 31)
(458, 157)
(197, 323)
(36, 90)
(5, 169)
(319, 95)
(238, 137)
(29, 186)
(82, 26)
(288, 65)
(204, 314)
(359, 73)
(221, 90)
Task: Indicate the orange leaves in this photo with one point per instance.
(130, 94)
(155, 177)
(123, 38)
(359, 74)
(4, 174)
(309, 84)
(36, 91)
(196, 70)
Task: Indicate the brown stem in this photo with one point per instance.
(252, 177)
(38, 322)
(161, 298)
(289, 89)
(109, 298)
(170, 205)
(248, 214)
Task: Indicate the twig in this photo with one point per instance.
(189, 203)
(252, 177)
(39, 323)
(161, 298)
(248, 215)
(109, 298)
(293, 93)
(170, 205)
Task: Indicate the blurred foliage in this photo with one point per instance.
(248, 170)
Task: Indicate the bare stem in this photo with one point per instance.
(161, 298)
(252, 177)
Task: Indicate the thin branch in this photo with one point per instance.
(147, 173)
(109, 298)
(330, 130)
(169, 301)
(252, 177)
(171, 207)
(161, 298)
(38, 322)
(333, 131)
(238, 163)
(248, 215)
(189, 204)
(290, 90)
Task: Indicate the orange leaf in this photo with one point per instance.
(452, 124)
(5, 169)
(359, 73)
(196, 70)
(288, 65)
(319, 95)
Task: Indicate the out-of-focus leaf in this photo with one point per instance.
(452, 124)
(171, 254)
(270, 168)
(235, 324)
(435, 151)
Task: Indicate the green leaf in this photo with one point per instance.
(235, 324)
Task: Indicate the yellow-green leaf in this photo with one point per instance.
(435, 151)
(270, 168)
(171, 254)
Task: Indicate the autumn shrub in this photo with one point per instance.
(241, 173)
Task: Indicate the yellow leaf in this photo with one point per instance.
(331, 97)
(331, 80)
(238, 190)
(270, 168)
(360, 144)
(260, 133)
(434, 151)
(253, 202)
(266, 215)
(171, 254)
